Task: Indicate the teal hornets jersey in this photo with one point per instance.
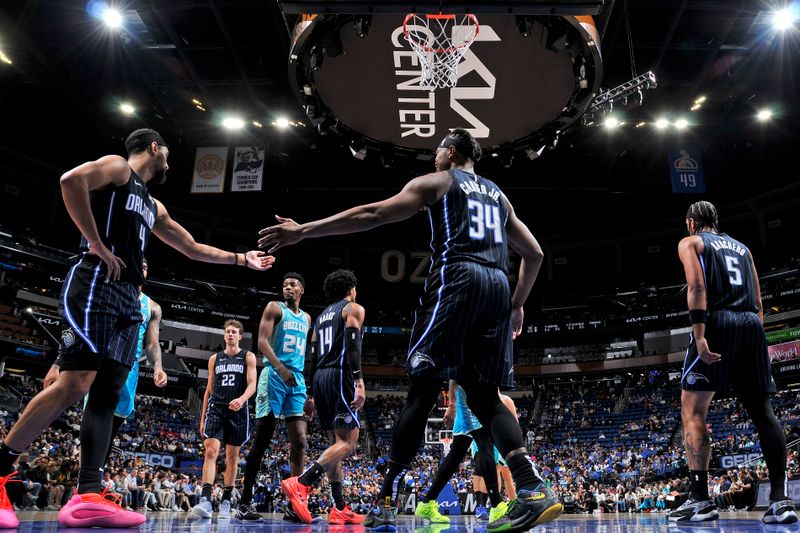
(289, 338)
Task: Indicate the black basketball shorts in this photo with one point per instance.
(744, 368)
(229, 427)
(462, 327)
(333, 393)
(100, 320)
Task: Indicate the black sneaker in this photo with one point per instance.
(531, 508)
(780, 512)
(247, 513)
(695, 511)
(382, 517)
(290, 516)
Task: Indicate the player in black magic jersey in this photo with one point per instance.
(725, 310)
(109, 202)
(467, 316)
(337, 394)
(225, 419)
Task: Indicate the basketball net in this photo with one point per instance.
(440, 42)
(446, 442)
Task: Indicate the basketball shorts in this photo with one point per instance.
(333, 393)
(462, 327)
(101, 320)
(744, 368)
(126, 397)
(498, 460)
(465, 422)
(273, 395)
(229, 427)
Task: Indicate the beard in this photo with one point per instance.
(159, 177)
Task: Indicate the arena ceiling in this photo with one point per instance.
(69, 73)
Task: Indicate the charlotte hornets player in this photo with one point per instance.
(281, 386)
(726, 313)
(226, 416)
(338, 394)
(467, 316)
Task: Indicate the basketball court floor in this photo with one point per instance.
(739, 522)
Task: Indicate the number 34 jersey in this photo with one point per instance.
(469, 223)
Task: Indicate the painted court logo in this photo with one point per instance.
(694, 377)
(419, 358)
(67, 337)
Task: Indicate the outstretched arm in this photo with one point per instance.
(175, 235)
(417, 193)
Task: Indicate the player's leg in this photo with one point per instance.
(479, 487)
(71, 386)
(485, 458)
(265, 428)
(211, 448)
(508, 483)
(329, 463)
(449, 465)
(694, 408)
(409, 432)
(773, 446)
(229, 478)
(298, 443)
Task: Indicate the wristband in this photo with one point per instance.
(697, 316)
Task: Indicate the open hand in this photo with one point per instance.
(286, 233)
(259, 260)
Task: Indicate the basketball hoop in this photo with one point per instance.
(446, 442)
(440, 42)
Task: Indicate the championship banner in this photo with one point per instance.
(787, 351)
(686, 170)
(209, 169)
(247, 169)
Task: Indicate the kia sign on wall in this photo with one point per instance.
(509, 86)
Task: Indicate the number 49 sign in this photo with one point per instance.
(686, 169)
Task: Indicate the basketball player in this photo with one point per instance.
(338, 394)
(467, 316)
(226, 416)
(727, 354)
(468, 434)
(148, 329)
(282, 338)
(109, 202)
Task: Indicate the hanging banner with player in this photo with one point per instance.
(248, 168)
(209, 169)
(686, 170)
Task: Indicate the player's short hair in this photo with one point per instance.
(464, 143)
(140, 139)
(234, 323)
(338, 284)
(704, 214)
(295, 275)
